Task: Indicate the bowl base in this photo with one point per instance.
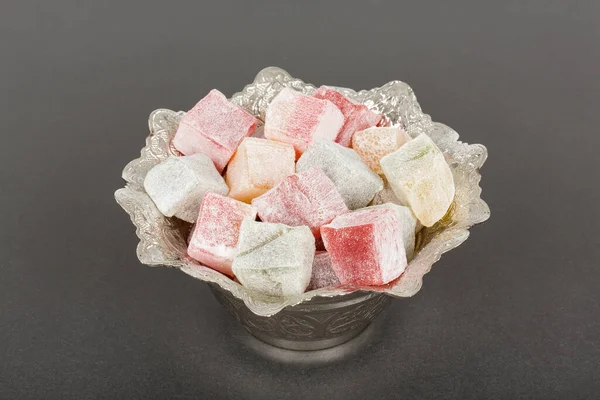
(312, 345)
(320, 323)
(345, 351)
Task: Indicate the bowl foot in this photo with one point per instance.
(318, 324)
(345, 351)
(312, 345)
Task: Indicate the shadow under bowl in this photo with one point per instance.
(317, 324)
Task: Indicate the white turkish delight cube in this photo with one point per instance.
(274, 259)
(355, 181)
(178, 185)
(421, 178)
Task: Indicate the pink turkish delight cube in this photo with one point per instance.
(215, 235)
(366, 247)
(308, 198)
(215, 127)
(357, 116)
(297, 119)
(322, 272)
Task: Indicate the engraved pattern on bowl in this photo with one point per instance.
(317, 324)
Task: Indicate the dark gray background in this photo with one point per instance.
(512, 313)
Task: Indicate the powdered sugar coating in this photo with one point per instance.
(421, 178)
(297, 119)
(254, 234)
(257, 166)
(386, 195)
(357, 116)
(214, 239)
(408, 223)
(362, 118)
(355, 181)
(214, 126)
(274, 259)
(322, 272)
(366, 247)
(374, 143)
(309, 198)
(178, 185)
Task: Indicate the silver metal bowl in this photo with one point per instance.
(325, 317)
(320, 323)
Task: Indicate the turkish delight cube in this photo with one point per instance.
(274, 259)
(421, 178)
(355, 181)
(178, 185)
(322, 272)
(366, 247)
(408, 222)
(374, 143)
(308, 198)
(215, 127)
(214, 239)
(257, 166)
(357, 116)
(297, 119)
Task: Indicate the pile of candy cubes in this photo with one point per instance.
(329, 195)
